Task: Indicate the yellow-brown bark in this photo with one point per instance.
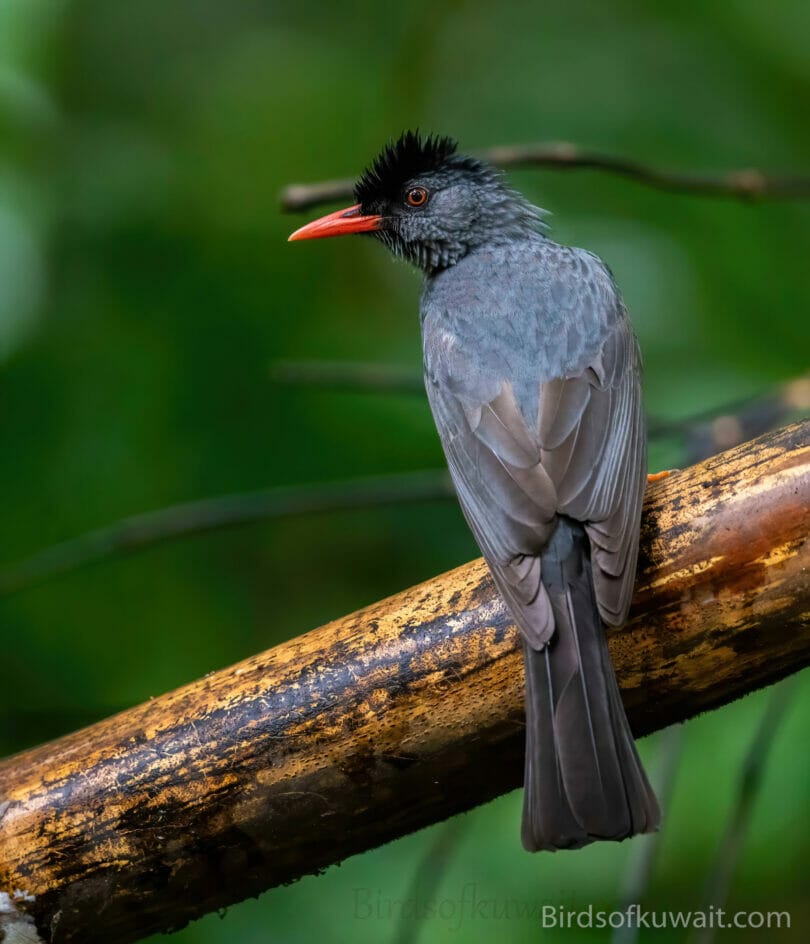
(393, 717)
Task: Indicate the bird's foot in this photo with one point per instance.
(657, 476)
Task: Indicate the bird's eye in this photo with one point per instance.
(416, 197)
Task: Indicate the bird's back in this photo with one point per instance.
(528, 311)
(533, 376)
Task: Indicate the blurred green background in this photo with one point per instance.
(146, 289)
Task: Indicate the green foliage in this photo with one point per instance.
(146, 286)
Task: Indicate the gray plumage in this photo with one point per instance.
(533, 376)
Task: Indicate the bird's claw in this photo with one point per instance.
(657, 476)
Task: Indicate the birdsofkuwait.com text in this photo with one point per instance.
(470, 905)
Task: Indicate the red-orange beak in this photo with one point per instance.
(338, 224)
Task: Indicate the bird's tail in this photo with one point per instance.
(584, 780)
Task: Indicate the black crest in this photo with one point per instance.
(399, 162)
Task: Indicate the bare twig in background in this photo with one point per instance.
(225, 511)
(350, 376)
(719, 428)
(427, 878)
(751, 773)
(562, 155)
(644, 851)
(706, 435)
(392, 718)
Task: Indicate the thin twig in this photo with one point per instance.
(706, 432)
(745, 184)
(740, 419)
(427, 878)
(351, 376)
(644, 851)
(226, 511)
(209, 514)
(751, 774)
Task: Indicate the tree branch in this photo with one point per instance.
(703, 435)
(644, 852)
(392, 718)
(225, 511)
(349, 376)
(752, 770)
(562, 155)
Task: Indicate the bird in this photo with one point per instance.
(533, 376)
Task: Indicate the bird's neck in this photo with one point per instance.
(512, 220)
(435, 258)
(437, 255)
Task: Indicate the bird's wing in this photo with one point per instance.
(593, 446)
(506, 495)
(585, 457)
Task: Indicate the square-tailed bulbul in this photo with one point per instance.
(534, 379)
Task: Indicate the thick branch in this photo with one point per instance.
(562, 155)
(392, 718)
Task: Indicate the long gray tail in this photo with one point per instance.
(584, 780)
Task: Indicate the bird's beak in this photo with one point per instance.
(338, 224)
